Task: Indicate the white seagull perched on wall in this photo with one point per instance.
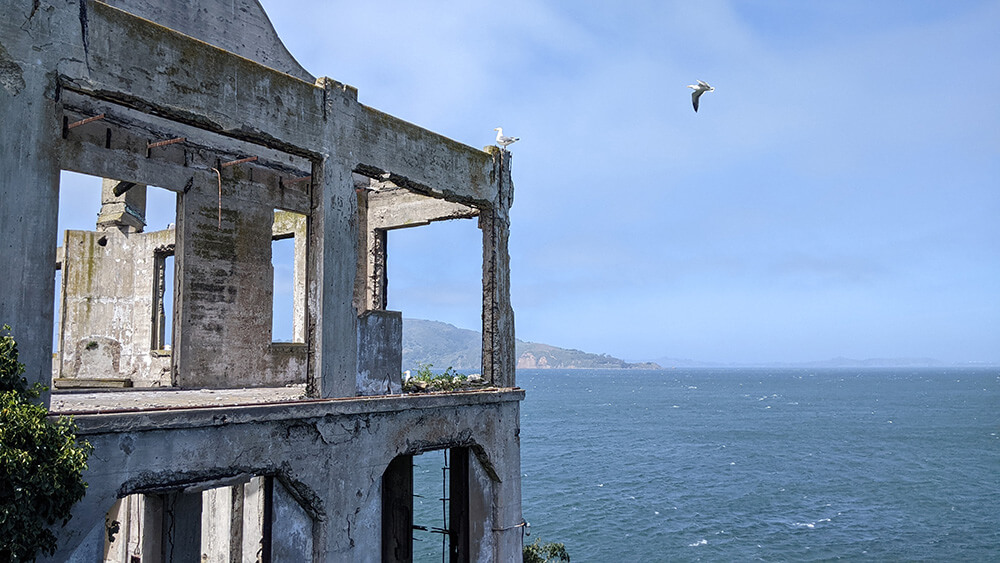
(502, 139)
(699, 89)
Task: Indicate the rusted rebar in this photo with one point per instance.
(165, 143)
(84, 121)
(240, 161)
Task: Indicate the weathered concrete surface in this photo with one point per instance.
(107, 307)
(29, 179)
(329, 454)
(499, 363)
(92, 402)
(244, 30)
(380, 353)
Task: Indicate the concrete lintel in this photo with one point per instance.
(391, 209)
(197, 417)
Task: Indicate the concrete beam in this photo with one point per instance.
(392, 209)
(420, 160)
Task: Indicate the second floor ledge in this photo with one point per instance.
(147, 410)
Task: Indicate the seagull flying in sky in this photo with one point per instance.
(699, 89)
(503, 140)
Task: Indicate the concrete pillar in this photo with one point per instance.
(499, 361)
(151, 549)
(253, 520)
(29, 189)
(480, 486)
(361, 292)
(508, 532)
(216, 524)
(123, 206)
(299, 280)
(332, 320)
(181, 529)
(237, 499)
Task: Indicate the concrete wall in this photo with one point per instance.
(329, 456)
(107, 307)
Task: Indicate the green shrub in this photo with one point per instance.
(539, 552)
(450, 380)
(40, 465)
(10, 368)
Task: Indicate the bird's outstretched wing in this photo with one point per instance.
(703, 83)
(694, 98)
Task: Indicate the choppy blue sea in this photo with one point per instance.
(763, 464)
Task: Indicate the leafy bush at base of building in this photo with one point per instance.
(40, 465)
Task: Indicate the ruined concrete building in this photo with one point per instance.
(226, 445)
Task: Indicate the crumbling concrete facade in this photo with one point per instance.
(308, 459)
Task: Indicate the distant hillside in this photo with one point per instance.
(445, 345)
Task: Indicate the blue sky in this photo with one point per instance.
(837, 195)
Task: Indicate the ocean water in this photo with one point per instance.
(763, 464)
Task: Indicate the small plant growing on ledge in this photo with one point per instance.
(428, 381)
(539, 552)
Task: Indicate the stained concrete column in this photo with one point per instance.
(151, 548)
(252, 541)
(333, 239)
(499, 359)
(29, 183)
(375, 267)
(299, 281)
(507, 530)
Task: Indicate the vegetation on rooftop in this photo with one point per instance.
(450, 380)
(538, 552)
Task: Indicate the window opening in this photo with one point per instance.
(246, 519)
(288, 267)
(114, 281)
(435, 274)
(283, 260)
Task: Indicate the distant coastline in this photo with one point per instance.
(444, 345)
